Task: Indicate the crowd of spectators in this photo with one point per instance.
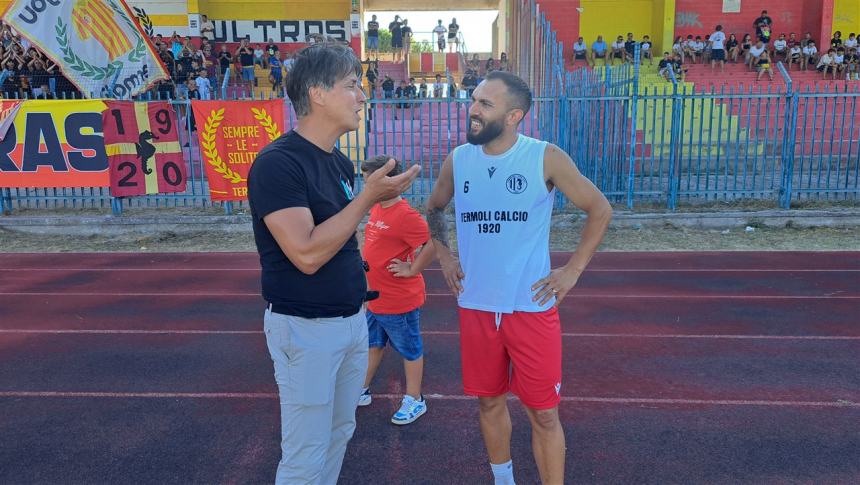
(402, 35)
(27, 73)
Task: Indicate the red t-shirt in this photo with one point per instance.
(394, 233)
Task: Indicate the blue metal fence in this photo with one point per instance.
(656, 146)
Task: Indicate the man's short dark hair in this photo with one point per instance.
(319, 65)
(719, 28)
(373, 164)
(518, 91)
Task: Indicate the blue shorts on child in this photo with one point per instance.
(402, 330)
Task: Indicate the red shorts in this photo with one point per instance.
(523, 355)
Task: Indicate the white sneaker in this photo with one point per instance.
(410, 410)
(365, 398)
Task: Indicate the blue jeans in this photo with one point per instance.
(401, 330)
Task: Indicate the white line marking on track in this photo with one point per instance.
(589, 270)
(439, 397)
(84, 331)
(573, 296)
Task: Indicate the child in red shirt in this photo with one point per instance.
(392, 235)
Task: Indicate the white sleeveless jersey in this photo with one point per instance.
(503, 212)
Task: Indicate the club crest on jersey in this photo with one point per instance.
(491, 171)
(516, 184)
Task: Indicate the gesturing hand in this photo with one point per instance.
(556, 284)
(380, 186)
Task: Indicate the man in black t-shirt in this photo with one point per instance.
(305, 216)
(246, 59)
(373, 37)
(762, 20)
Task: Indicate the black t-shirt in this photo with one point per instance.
(664, 63)
(731, 44)
(834, 42)
(293, 172)
(373, 29)
(630, 46)
(225, 59)
(395, 27)
(452, 30)
(246, 57)
(271, 49)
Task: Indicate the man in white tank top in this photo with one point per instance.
(503, 185)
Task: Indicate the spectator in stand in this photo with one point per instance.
(839, 61)
(765, 35)
(440, 32)
(617, 50)
(9, 80)
(679, 67)
(422, 88)
(180, 78)
(396, 29)
(795, 56)
(827, 64)
(258, 56)
(698, 49)
(780, 48)
(810, 55)
(453, 35)
(207, 28)
(851, 42)
(246, 61)
(756, 55)
(678, 47)
(732, 48)
(746, 45)
(176, 44)
(852, 65)
(372, 76)
(452, 87)
(401, 93)
(580, 52)
(689, 51)
(203, 85)
(807, 38)
(503, 62)
(645, 50)
(490, 66)
(718, 48)
(474, 63)
(276, 74)
(762, 21)
(761, 57)
(665, 66)
(388, 87)
(598, 51)
(469, 83)
(438, 87)
(39, 76)
(225, 59)
(407, 40)
(271, 48)
(836, 41)
(629, 48)
(373, 37)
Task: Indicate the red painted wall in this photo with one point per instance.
(564, 19)
(698, 17)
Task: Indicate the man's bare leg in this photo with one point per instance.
(548, 444)
(496, 427)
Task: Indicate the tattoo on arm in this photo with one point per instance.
(438, 226)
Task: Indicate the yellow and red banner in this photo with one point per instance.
(97, 43)
(230, 134)
(53, 143)
(142, 145)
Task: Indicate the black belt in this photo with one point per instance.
(286, 310)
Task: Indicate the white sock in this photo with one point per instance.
(503, 473)
(364, 389)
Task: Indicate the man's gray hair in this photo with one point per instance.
(319, 65)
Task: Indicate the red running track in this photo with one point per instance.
(679, 368)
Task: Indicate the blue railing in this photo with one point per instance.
(650, 147)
